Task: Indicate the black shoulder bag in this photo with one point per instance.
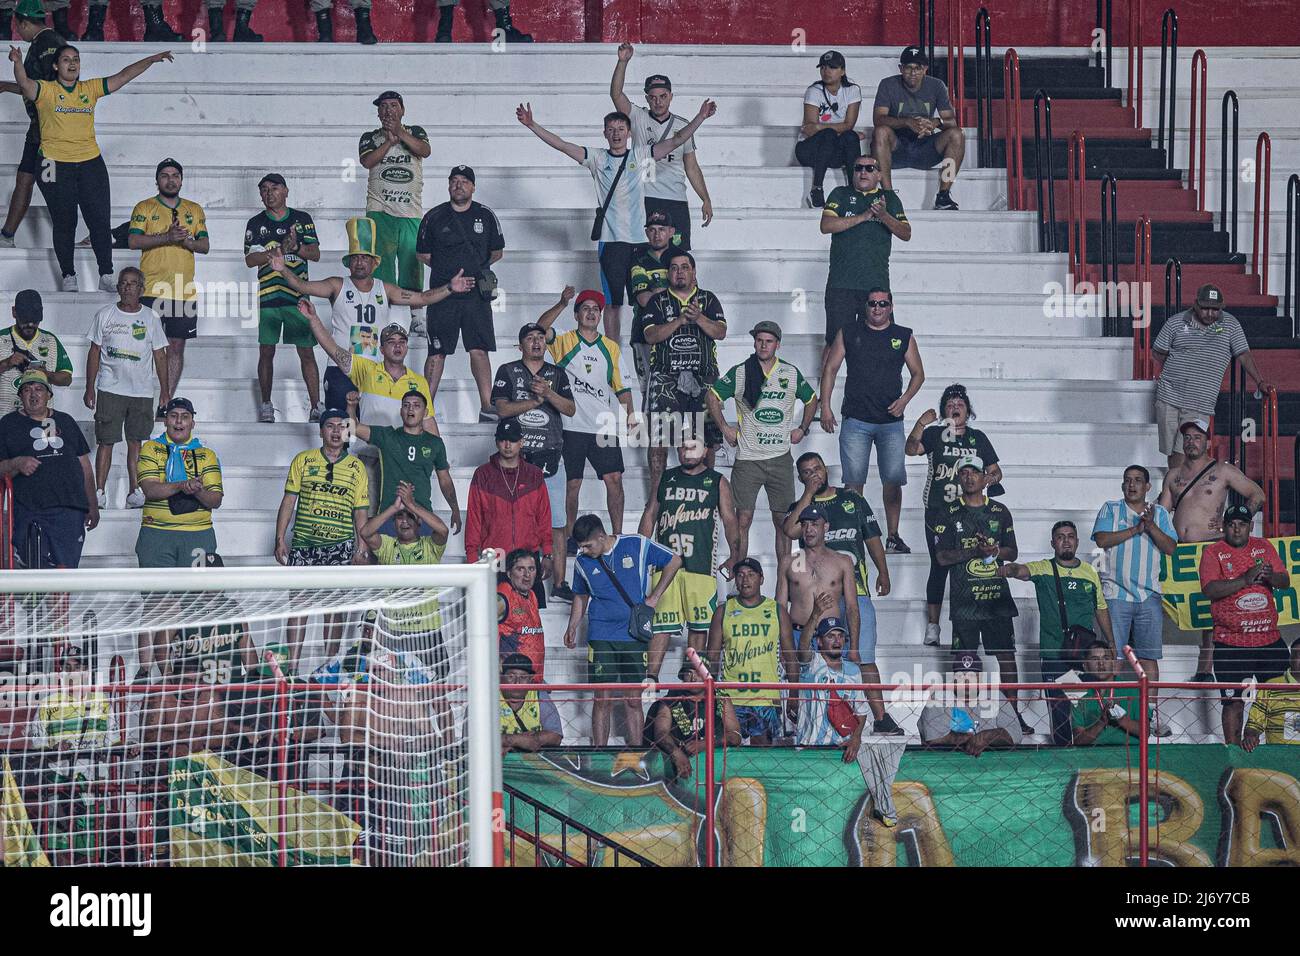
(184, 503)
(485, 280)
(1076, 638)
(643, 615)
(599, 225)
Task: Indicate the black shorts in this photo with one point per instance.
(582, 447)
(843, 306)
(616, 270)
(664, 398)
(1233, 664)
(180, 320)
(31, 161)
(999, 635)
(454, 316)
(680, 214)
(911, 153)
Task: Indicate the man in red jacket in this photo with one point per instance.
(508, 506)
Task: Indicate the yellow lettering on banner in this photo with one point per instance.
(918, 826)
(1113, 792)
(1252, 794)
(742, 821)
(1189, 608)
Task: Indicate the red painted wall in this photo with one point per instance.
(823, 22)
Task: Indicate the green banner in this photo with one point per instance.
(1210, 805)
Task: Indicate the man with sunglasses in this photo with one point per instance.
(916, 126)
(862, 221)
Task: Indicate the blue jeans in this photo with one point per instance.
(1139, 623)
(856, 439)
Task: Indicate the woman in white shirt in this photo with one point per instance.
(830, 111)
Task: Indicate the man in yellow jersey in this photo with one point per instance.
(1275, 715)
(181, 481)
(169, 231)
(411, 547)
(750, 636)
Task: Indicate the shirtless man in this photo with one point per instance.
(1195, 492)
(816, 570)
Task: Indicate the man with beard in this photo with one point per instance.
(649, 278)
(25, 347)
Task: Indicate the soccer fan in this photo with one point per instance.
(508, 506)
(293, 232)
(837, 717)
(500, 10)
(683, 516)
(1275, 715)
(649, 278)
(1195, 492)
(244, 32)
(767, 391)
(25, 347)
(1109, 717)
(594, 365)
(682, 325)
(326, 496)
(181, 481)
(461, 237)
(1069, 597)
(750, 640)
(610, 579)
(519, 621)
(818, 570)
(361, 322)
(974, 535)
(78, 178)
(43, 44)
(394, 154)
(876, 349)
(529, 720)
(851, 529)
(1134, 534)
(409, 543)
(916, 126)
(537, 393)
(53, 486)
(411, 454)
(170, 231)
(665, 191)
(126, 366)
(1194, 349)
(961, 720)
(826, 137)
(360, 13)
(1238, 575)
(619, 174)
(677, 725)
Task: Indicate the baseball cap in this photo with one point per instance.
(1238, 513)
(658, 218)
(508, 430)
(967, 663)
(658, 81)
(912, 54)
(1199, 423)
(391, 330)
(768, 326)
(466, 171)
(330, 414)
(751, 563)
(169, 162)
(387, 95)
(28, 306)
(183, 403)
(812, 513)
(529, 328)
(969, 461)
(31, 10)
(1209, 295)
(516, 662)
(830, 624)
(832, 58)
(272, 178)
(588, 295)
(30, 376)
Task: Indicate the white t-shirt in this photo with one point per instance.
(358, 317)
(669, 180)
(625, 220)
(127, 341)
(832, 107)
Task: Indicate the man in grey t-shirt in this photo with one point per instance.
(965, 719)
(916, 126)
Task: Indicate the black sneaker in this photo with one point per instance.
(1203, 677)
(817, 198)
(562, 592)
(160, 415)
(896, 545)
(886, 726)
(1025, 728)
(943, 200)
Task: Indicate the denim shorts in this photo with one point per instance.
(1140, 623)
(856, 439)
(759, 722)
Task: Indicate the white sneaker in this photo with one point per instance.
(418, 327)
(931, 635)
(135, 499)
(315, 414)
(70, 283)
(6, 242)
(107, 283)
(266, 414)
(101, 499)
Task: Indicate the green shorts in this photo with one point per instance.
(283, 323)
(616, 662)
(395, 243)
(156, 548)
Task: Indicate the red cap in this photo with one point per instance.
(588, 295)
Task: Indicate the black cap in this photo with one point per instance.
(272, 178)
(751, 563)
(183, 403)
(812, 513)
(28, 306)
(1238, 513)
(462, 170)
(387, 95)
(658, 218)
(832, 58)
(658, 81)
(517, 662)
(913, 54)
(508, 429)
(529, 329)
(330, 414)
(168, 162)
(967, 663)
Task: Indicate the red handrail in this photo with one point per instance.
(1143, 366)
(1135, 60)
(957, 72)
(1015, 143)
(1076, 177)
(1272, 473)
(1263, 178)
(1192, 155)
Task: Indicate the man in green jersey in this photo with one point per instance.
(649, 278)
(394, 155)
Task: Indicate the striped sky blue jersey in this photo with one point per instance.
(814, 729)
(625, 220)
(1131, 571)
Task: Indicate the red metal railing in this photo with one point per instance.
(1143, 364)
(1076, 175)
(1135, 60)
(956, 65)
(1195, 157)
(1263, 180)
(1013, 132)
(1272, 466)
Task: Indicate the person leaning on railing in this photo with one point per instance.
(1108, 717)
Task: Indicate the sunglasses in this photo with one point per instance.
(878, 303)
(864, 168)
